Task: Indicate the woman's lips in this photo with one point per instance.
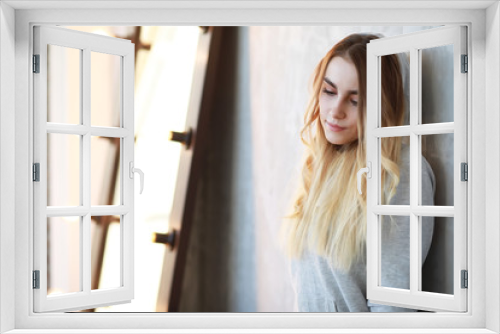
(334, 127)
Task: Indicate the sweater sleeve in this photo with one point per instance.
(395, 240)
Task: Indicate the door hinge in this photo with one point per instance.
(465, 64)
(36, 279)
(464, 171)
(36, 172)
(36, 63)
(465, 279)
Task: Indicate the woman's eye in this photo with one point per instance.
(328, 92)
(354, 103)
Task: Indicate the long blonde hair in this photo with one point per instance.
(329, 215)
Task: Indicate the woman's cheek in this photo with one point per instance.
(322, 107)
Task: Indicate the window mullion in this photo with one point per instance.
(86, 177)
(414, 168)
(377, 174)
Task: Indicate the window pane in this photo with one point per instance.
(395, 92)
(63, 255)
(395, 252)
(395, 192)
(105, 89)
(437, 271)
(437, 84)
(105, 165)
(63, 84)
(437, 170)
(106, 238)
(63, 170)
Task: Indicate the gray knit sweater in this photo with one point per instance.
(319, 287)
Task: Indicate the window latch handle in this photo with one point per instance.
(133, 170)
(368, 171)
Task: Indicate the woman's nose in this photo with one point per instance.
(338, 111)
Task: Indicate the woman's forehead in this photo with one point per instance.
(342, 73)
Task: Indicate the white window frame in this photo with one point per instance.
(483, 21)
(86, 43)
(414, 43)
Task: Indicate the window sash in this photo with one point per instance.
(87, 43)
(413, 298)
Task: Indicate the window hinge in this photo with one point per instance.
(36, 279)
(465, 171)
(36, 63)
(465, 279)
(36, 172)
(465, 64)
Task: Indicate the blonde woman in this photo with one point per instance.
(325, 235)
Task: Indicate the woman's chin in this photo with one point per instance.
(338, 140)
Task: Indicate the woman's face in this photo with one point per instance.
(338, 102)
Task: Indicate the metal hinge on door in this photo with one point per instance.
(36, 63)
(36, 172)
(465, 279)
(36, 279)
(465, 64)
(464, 168)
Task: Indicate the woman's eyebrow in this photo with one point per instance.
(328, 81)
